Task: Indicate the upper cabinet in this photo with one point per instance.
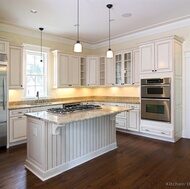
(4, 47)
(123, 68)
(157, 56)
(15, 67)
(106, 71)
(135, 76)
(66, 70)
(92, 71)
(109, 72)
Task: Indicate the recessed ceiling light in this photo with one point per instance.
(126, 15)
(33, 11)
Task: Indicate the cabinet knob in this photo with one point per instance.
(70, 85)
(112, 84)
(152, 70)
(21, 85)
(122, 83)
(155, 70)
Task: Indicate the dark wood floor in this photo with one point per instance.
(137, 163)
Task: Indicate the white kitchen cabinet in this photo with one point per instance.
(92, 71)
(110, 72)
(66, 70)
(4, 47)
(133, 118)
(121, 118)
(15, 67)
(156, 56)
(106, 71)
(102, 71)
(123, 68)
(17, 125)
(83, 71)
(136, 70)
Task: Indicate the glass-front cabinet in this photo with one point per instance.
(102, 71)
(83, 71)
(123, 68)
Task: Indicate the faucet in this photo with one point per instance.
(38, 96)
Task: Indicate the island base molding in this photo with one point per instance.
(77, 142)
(45, 175)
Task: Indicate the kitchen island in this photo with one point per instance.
(58, 142)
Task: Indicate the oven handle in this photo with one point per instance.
(162, 85)
(159, 99)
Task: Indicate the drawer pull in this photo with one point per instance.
(163, 133)
(117, 123)
(19, 112)
(20, 117)
(146, 130)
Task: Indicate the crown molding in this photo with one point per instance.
(144, 33)
(36, 34)
(155, 29)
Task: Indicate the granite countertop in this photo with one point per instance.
(76, 116)
(32, 104)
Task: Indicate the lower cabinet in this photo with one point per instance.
(133, 118)
(18, 124)
(128, 120)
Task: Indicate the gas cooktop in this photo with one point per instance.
(74, 108)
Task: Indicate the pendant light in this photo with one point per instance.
(77, 46)
(109, 52)
(41, 29)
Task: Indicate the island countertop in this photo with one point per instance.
(62, 119)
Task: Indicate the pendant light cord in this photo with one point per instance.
(78, 20)
(41, 45)
(109, 28)
(41, 29)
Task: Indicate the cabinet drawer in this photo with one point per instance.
(18, 112)
(156, 132)
(122, 114)
(121, 123)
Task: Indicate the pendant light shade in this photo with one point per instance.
(109, 52)
(41, 29)
(77, 46)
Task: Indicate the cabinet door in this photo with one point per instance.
(118, 69)
(92, 71)
(127, 68)
(74, 71)
(15, 67)
(110, 72)
(102, 71)
(133, 120)
(4, 47)
(18, 128)
(136, 78)
(83, 71)
(163, 56)
(63, 70)
(147, 58)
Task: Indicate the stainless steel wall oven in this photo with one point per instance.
(156, 99)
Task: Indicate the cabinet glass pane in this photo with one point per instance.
(127, 68)
(102, 71)
(118, 69)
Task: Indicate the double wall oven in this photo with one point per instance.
(156, 99)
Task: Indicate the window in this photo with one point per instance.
(35, 74)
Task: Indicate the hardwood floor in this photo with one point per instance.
(138, 163)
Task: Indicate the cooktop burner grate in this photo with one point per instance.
(74, 108)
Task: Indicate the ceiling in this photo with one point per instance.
(59, 17)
